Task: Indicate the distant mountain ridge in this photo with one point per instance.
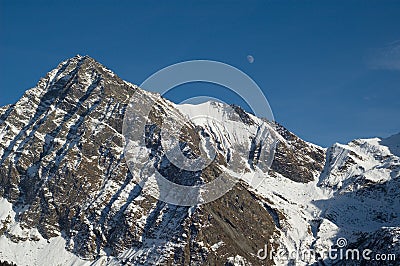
(67, 196)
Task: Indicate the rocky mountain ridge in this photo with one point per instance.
(68, 197)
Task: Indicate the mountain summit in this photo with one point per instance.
(67, 196)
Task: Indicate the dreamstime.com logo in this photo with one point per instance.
(147, 117)
(337, 253)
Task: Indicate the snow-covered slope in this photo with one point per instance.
(356, 194)
(66, 191)
(363, 178)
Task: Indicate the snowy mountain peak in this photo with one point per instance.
(66, 190)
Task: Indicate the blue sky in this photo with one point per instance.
(330, 70)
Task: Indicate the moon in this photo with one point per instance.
(250, 58)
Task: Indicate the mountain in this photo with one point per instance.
(69, 196)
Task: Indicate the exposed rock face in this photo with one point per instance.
(296, 159)
(62, 166)
(63, 174)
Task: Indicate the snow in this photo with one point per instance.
(5, 210)
(217, 245)
(38, 253)
(32, 249)
(237, 260)
(230, 134)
